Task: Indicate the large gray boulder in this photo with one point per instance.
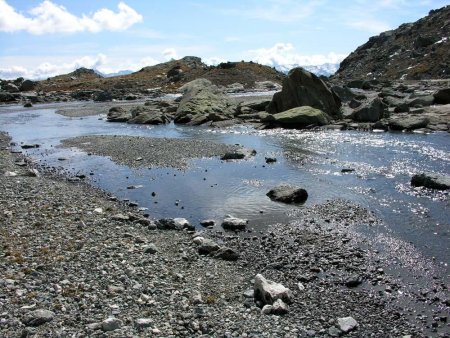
(371, 111)
(118, 114)
(302, 88)
(408, 122)
(300, 117)
(202, 102)
(147, 115)
(432, 181)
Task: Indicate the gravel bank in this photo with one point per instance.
(137, 151)
(67, 252)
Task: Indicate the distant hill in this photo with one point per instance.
(413, 51)
(168, 76)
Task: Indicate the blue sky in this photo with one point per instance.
(42, 38)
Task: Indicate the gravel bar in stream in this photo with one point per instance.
(136, 151)
(76, 263)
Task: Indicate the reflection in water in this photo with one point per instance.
(382, 162)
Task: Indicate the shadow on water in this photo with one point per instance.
(381, 168)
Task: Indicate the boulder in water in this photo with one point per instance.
(302, 88)
(431, 181)
(301, 117)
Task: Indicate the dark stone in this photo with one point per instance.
(432, 181)
(288, 194)
(442, 96)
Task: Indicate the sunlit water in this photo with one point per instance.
(383, 164)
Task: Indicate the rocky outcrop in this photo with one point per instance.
(432, 181)
(413, 51)
(300, 117)
(288, 194)
(202, 102)
(302, 88)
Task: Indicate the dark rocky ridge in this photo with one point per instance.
(413, 51)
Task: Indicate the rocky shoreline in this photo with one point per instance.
(79, 263)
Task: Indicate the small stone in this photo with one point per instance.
(333, 331)
(207, 222)
(266, 310)
(234, 223)
(346, 324)
(150, 248)
(38, 317)
(111, 324)
(142, 323)
(279, 308)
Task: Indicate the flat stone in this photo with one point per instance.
(111, 324)
(38, 317)
(234, 223)
(141, 323)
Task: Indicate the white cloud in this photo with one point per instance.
(170, 54)
(284, 56)
(48, 69)
(48, 17)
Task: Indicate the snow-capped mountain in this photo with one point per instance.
(327, 69)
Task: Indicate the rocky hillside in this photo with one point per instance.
(413, 51)
(168, 76)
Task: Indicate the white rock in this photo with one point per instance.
(143, 322)
(198, 240)
(346, 324)
(268, 292)
(98, 210)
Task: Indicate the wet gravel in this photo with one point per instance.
(77, 263)
(136, 151)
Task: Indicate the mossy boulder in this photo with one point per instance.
(301, 117)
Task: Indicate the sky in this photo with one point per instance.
(42, 38)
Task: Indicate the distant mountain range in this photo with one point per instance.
(327, 69)
(119, 73)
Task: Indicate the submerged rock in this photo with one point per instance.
(432, 181)
(288, 194)
(239, 154)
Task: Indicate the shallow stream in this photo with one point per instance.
(383, 164)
